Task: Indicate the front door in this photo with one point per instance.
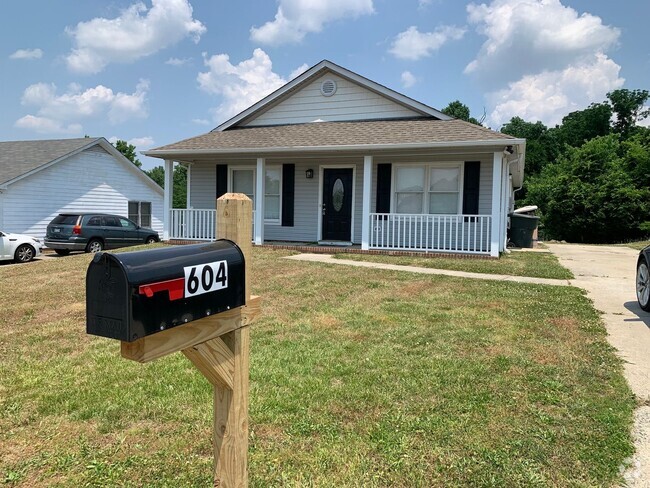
(337, 204)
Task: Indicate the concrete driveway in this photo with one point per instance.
(608, 274)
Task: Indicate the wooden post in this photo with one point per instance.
(219, 347)
(234, 222)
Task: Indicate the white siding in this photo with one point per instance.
(350, 102)
(91, 181)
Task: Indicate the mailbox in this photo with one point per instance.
(134, 294)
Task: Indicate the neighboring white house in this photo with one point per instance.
(336, 158)
(40, 179)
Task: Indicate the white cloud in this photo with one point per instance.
(27, 54)
(408, 79)
(413, 44)
(136, 33)
(298, 71)
(178, 61)
(54, 111)
(139, 142)
(296, 18)
(645, 122)
(550, 95)
(240, 85)
(44, 125)
(202, 121)
(530, 36)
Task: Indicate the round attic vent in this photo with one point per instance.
(328, 88)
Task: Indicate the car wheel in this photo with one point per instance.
(24, 253)
(643, 284)
(150, 240)
(95, 245)
(62, 252)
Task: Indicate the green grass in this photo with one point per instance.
(359, 377)
(533, 264)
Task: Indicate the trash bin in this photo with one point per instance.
(522, 228)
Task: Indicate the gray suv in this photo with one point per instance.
(93, 232)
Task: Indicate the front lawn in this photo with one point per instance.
(533, 264)
(638, 245)
(359, 377)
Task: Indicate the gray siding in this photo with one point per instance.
(306, 205)
(92, 180)
(350, 102)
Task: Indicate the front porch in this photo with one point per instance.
(457, 234)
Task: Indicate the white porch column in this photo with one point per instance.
(168, 197)
(365, 215)
(188, 198)
(497, 179)
(504, 205)
(259, 201)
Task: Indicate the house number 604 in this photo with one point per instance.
(205, 278)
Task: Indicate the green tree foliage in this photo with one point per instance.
(180, 183)
(583, 125)
(459, 110)
(541, 144)
(129, 151)
(628, 106)
(589, 195)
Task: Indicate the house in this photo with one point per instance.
(40, 179)
(335, 158)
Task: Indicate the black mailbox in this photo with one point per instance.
(134, 294)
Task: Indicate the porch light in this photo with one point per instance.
(309, 174)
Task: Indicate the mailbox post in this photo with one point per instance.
(217, 344)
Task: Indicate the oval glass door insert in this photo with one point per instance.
(337, 195)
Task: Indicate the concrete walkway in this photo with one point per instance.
(607, 273)
(326, 258)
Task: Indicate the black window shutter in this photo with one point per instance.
(471, 183)
(288, 193)
(383, 187)
(222, 179)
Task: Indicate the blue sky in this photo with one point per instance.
(157, 71)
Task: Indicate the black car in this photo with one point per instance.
(93, 232)
(643, 279)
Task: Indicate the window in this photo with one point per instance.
(126, 224)
(140, 213)
(109, 221)
(242, 180)
(95, 221)
(444, 190)
(433, 189)
(409, 189)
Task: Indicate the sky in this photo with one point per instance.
(153, 72)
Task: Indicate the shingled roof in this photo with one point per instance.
(20, 157)
(335, 134)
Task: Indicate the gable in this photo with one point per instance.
(351, 101)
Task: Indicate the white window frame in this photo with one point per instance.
(427, 183)
(231, 169)
(138, 221)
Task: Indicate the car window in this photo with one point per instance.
(65, 219)
(96, 221)
(127, 224)
(111, 221)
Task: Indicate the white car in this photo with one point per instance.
(18, 247)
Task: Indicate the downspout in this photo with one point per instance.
(515, 190)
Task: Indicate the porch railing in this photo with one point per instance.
(418, 232)
(195, 224)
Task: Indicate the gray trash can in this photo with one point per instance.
(522, 228)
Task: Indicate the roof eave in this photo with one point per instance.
(170, 153)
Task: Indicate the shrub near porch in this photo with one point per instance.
(359, 377)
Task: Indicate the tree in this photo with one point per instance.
(180, 183)
(628, 106)
(583, 125)
(129, 151)
(459, 110)
(588, 195)
(541, 144)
